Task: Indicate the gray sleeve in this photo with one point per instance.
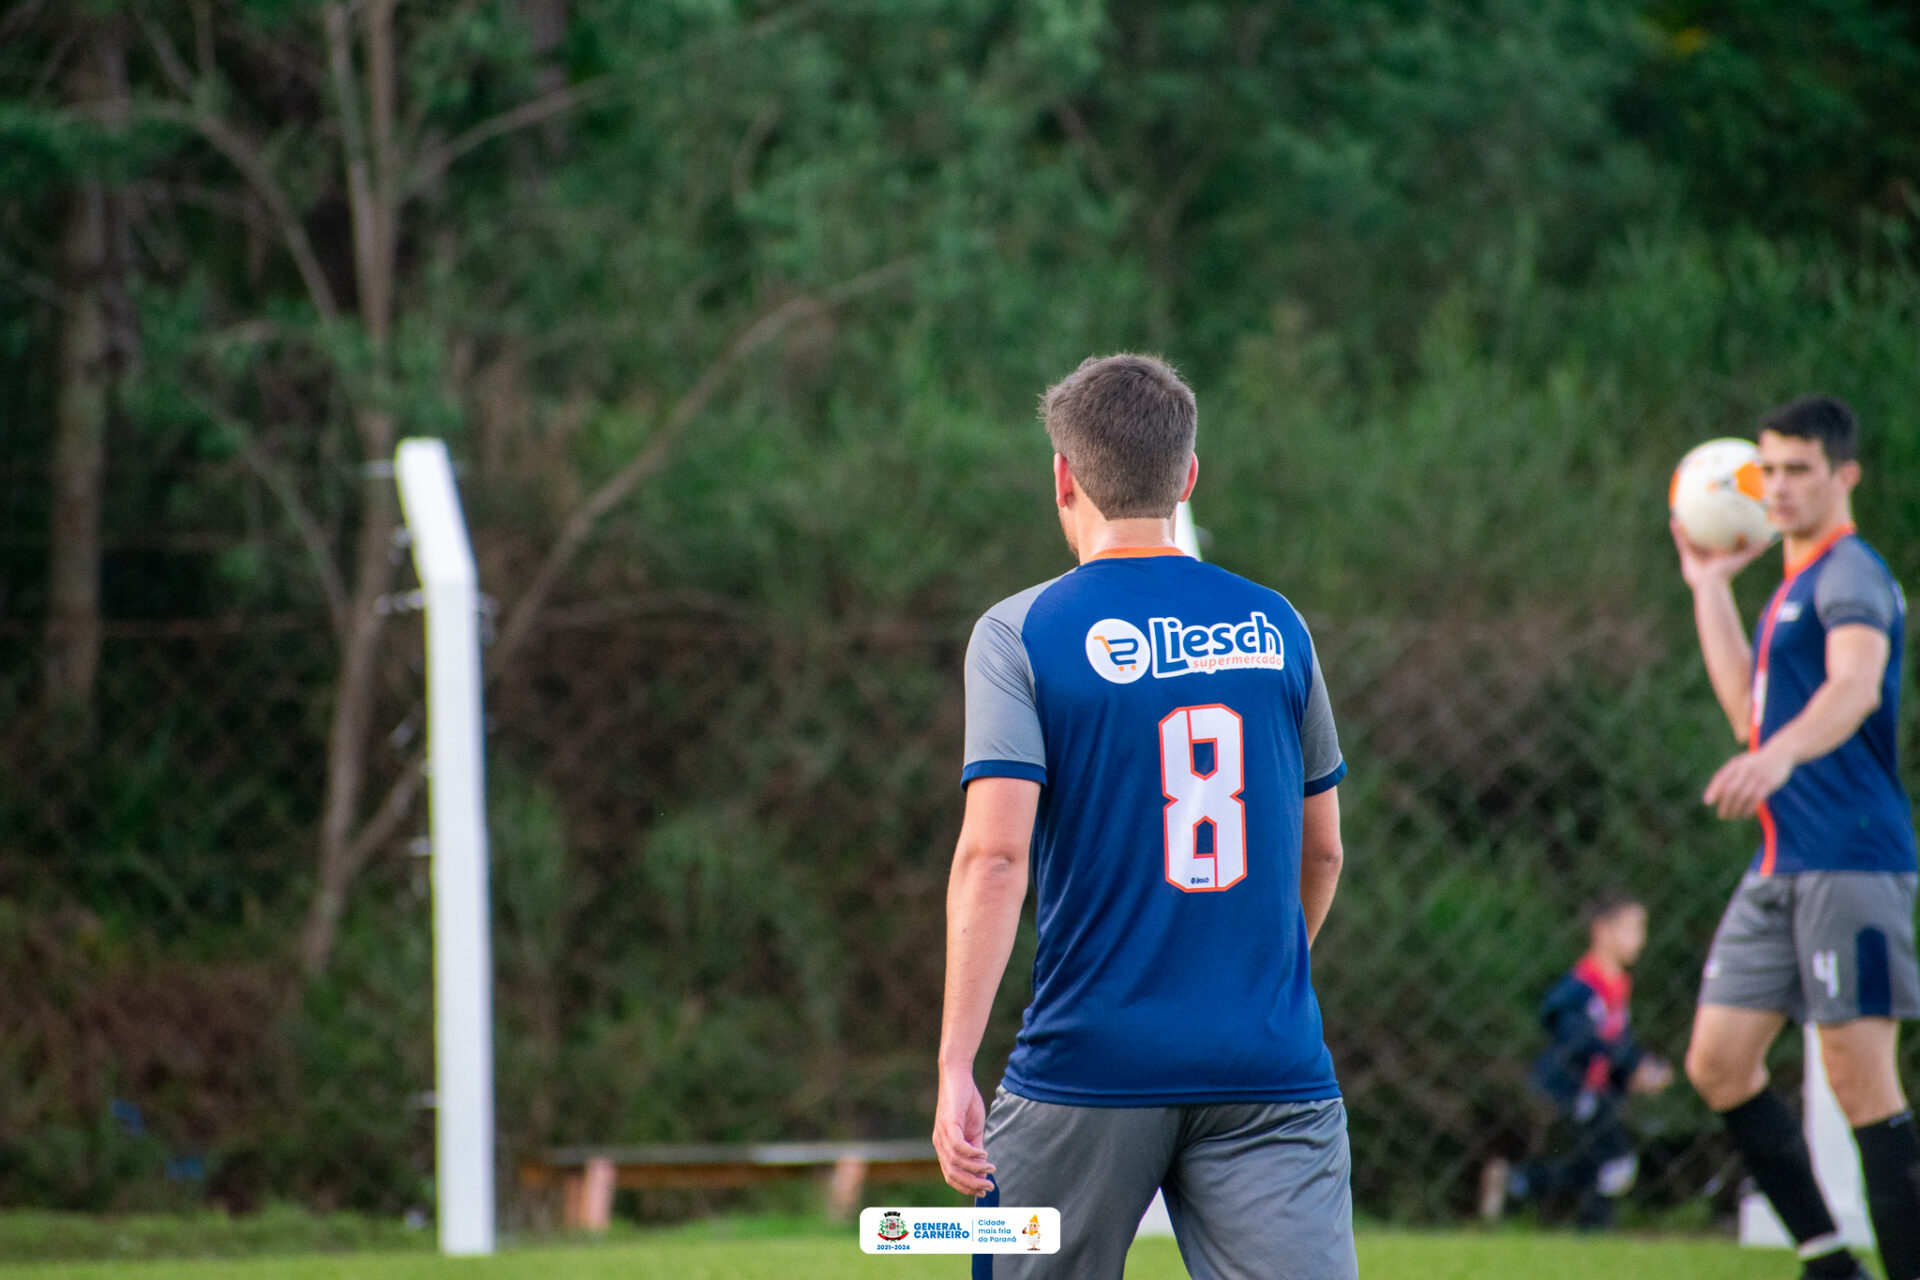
(1003, 710)
(1854, 589)
(1323, 765)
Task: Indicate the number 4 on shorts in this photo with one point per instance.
(1826, 967)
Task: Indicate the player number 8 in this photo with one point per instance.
(1202, 771)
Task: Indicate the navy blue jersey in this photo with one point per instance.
(1591, 1048)
(1846, 810)
(1175, 717)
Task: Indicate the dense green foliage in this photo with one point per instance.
(1456, 284)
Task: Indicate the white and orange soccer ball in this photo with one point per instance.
(1716, 496)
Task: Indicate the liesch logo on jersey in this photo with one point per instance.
(1121, 653)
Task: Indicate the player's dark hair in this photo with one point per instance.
(1823, 418)
(1125, 424)
(1607, 904)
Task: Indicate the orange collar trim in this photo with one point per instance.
(1826, 545)
(1134, 553)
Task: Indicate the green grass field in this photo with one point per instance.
(1384, 1255)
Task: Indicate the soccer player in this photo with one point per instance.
(1590, 1065)
(1152, 737)
(1821, 927)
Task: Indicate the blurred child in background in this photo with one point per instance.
(1588, 1068)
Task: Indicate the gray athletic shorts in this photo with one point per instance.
(1256, 1190)
(1818, 946)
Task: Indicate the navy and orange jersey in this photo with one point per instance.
(1591, 1048)
(1846, 810)
(1175, 717)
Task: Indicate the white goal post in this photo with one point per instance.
(1184, 535)
(457, 818)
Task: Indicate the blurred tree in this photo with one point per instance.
(1800, 118)
(1352, 159)
(99, 346)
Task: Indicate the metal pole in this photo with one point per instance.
(1184, 535)
(462, 954)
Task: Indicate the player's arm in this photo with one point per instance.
(984, 893)
(1723, 637)
(1856, 666)
(1321, 856)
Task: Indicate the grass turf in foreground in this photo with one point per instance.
(1384, 1255)
(28, 1235)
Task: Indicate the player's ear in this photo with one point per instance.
(1193, 474)
(1849, 473)
(1063, 485)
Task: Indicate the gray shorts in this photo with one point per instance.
(1256, 1190)
(1818, 946)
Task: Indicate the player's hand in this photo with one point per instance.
(1700, 567)
(1744, 781)
(959, 1132)
(1651, 1076)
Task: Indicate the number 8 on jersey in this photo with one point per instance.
(1201, 775)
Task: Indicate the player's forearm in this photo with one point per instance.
(983, 915)
(1321, 857)
(1723, 643)
(1319, 878)
(1832, 715)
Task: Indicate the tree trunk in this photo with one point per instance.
(371, 153)
(79, 463)
(547, 25)
(97, 344)
(341, 854)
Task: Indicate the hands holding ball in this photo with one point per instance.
(1719, 519)
(1720, 526)
(1716, 496)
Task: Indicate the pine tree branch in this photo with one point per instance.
(435, 160)
(659, 447)
(245, 156)
(386, 820)
(312, 536)
(326, 568)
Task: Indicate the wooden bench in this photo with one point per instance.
(586, 1177)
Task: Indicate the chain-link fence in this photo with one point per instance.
(720, 849)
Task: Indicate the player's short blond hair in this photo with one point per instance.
(1125, 424)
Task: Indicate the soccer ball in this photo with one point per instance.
(1716, 496)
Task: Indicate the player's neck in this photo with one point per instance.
(1104, 537)
(1799, 548)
